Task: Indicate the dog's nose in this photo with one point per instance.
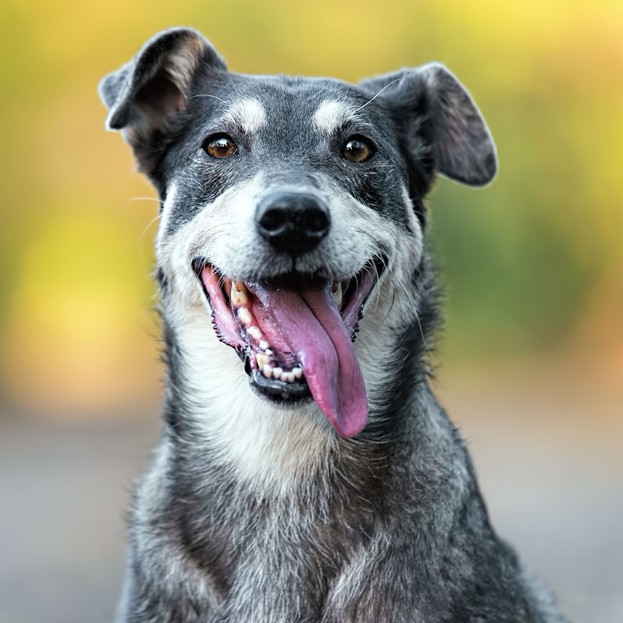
(293, 223)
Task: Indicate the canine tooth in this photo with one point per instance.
(245, 316)
(336, 290)
(238, 294)
(267, 370)
(298, 373)
(254, 332)
(261, 359)
(264, 346)
(277, 372)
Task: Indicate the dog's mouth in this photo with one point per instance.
(295, 336)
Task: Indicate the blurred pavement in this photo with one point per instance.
(552, 480)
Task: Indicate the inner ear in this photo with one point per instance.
(147, 95)
(156, 103)
(159, 85)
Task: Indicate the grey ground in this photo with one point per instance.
(551, 470)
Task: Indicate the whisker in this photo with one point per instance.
(220, 99)
(373, 98)
(413, 304)
(231, 81)
(145, 199)
(417, 317)
(146, 228)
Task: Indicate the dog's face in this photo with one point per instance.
(292, 207)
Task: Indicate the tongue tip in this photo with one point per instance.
(349, 426)
(346, 433)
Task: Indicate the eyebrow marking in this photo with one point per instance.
(331, 115)
(249, 113)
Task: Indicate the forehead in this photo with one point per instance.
(264, 102)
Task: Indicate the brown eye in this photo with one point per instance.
(358, 149)
(220, 146)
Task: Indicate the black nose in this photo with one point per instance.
(293, 223)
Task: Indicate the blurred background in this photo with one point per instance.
(533, 348)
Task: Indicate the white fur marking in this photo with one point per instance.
(249, 113)
(331, 114)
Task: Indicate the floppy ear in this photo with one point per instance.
(147, 96)
(431, 103)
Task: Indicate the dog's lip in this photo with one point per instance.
(284, 330)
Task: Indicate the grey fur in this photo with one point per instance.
(255, 513)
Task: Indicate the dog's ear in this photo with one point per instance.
(432, 105)
(148, 95)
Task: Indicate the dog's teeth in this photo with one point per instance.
(245, 316)
(261, 359)
(264, 346)
(298, 373)
(336, 290)
(238, 293)
(277, 372)
(268, 351)
(254, 332)
(288, 377)
(267, 370)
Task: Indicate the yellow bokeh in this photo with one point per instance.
(533, 264)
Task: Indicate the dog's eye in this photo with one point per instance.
(220, 146)
(358, 149)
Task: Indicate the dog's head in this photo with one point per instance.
(292, 207)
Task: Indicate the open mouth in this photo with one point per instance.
(295, 336)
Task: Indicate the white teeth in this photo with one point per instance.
(263, 364)
(245, 316)
(238, 293)
(264, 346)
(336, 290)
(254, 332)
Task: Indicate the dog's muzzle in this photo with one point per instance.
(294, 330)
(295, 336)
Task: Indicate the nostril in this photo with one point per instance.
(315, 221)
(273, 220)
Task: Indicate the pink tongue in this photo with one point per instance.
(310, 323)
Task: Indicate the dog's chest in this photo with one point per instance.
(277, 557)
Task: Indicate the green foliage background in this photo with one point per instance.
(532, 264)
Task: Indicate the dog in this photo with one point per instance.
(305, 473)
